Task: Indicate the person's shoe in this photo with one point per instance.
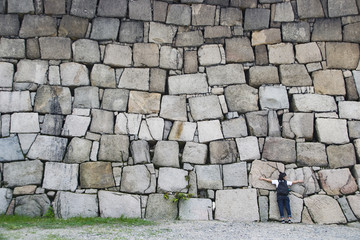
(289, 221)
(282, 221)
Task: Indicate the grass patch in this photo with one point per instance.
(19, 222)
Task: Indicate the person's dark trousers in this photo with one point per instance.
(284, 201)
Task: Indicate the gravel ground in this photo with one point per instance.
(206, 230)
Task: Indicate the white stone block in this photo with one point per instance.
(25, 123)
(248, 148)
(209, 131)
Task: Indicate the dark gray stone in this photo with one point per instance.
(55, 7)
(83, 8)
(9, 24)
(179, 14)
(189, 39)
(244, 3)
(231, 17)
(105, 28)
(86, 97)
(23, 173)
(86, 51)
(140, 10)
(339, 8)
(12, 48)
(354, 129)
(112, 8)
(223, 3)
(341, 156)
(279, 150)
(20, 6)
(310, 9)
(52, 125)
(140, 151)
(203, 15)
(160, 11)
(32, 205)
(352, 32)
(351, 92)
(327, 30)
(32, 48)
(56, 48)
(53, 100)
(73, 27)
(222, 152)
(131, 32)
(261, 55)
(256, 18)
(296, 32)
(115, 100)
(168, 209)
(10, 149)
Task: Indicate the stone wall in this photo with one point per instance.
(107, 106)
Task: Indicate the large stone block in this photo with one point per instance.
(23, 173)
(273, 97)
(198, 209)
(217, 32)
(189, 39)
(25, 123)
(166, 154)
(346, 209)
(256, 18)
(352, 33)
(83, 8)
(234, 128)
(138, 179)
(115, 100)
(54, 7)
(102, 76)
(298, 125)
(78, 150)
(182, 131)
(69, 205)
(12, 48)
(339, 8)
(331, 131)
(61, 176)
(5, 199)
(259, 75)
(342, 55)
(53, 100)
(310, 9)
(32, 205)
(6, 74)
(146, 55)
(203, 15)
(225, 74)
(209, 177)
(222, 152)
(105, 28)
(140, 151)
(21, 6)
(74, 74)
(349, 110)
(96, 175)
(354, 202)
(209, 131)
(327, 30)
(235, 175)
(279, 150)
(34, 71)
(337, 181)
(313, 103)
(248, 148)
(340, 156)
(239, 50)
(237, 205)
(324, 209)
(211, 54)
(126, 205)
(296, 205)
(102, 121)
(179, 14)
(161, 33)
(75, 126)
(167, 211)
(86, 97)
(172, 180)
(10, 149)
(140, 10)
(188, 84)
(114, 148)
(283, 12)
(171, 58)
(231, 17)
(86, 51)
(144, 103)
(281, 53)
(311, 154)
(48, 148)
(152, 129)
(205, 107)
(112, 8)
(10, 25)
(173, 108)
(55, 48)
(257, 123)
(131, 32)
(73, 27)
(241, 98)
(308, 52)
(52, 125)
(135, 78)
(294, 75)
(195, 153)
(266, 36)
(38, 26)
(296, 32)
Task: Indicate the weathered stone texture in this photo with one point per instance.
(38, 26)
(138, 179)
(342, 55)
(337, 181)
(10, 25)
(96, 175)
(311, 154)
(196, 209)
(32, 205)
(23, 173)
(126, 205)
(60, 176)
(239, 50)
(279, 150)
(55, 48)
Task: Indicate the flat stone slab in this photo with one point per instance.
(234, 128)
(349, 110)
(135, 78)
(188, 84)
(167, 211)
(329, 82)
(48, 148)
(313, 103)
(74, 74)
(273, 97)
(298, 125)
(75, 126)
(209, 131)
(296, 32)
(32, 71)
(235, 175)
(279, 149)
(18, 101)
(127, 205)
(342, 8)
(86, 51)
(248, 148)
(354, 202)
(61, 176)
(341, 156)
(144, 102)
(173, 108)
(293, 75)
(37, 26)
(310, 9)
(118, 56)
(260, 75)
(225, 74)
(342, 55)
(331, 131)
(115, 100)
(55, 48)
(6, 74)
(311, 154)
(205, 108)
(166, 154)
(12, 48)
(241, 98)
(256, 18)
(222, 152)
(182, 131)
(195, 153)
(23, 173)
(78, 150)
(5, 199)
(114, 148)
(10, 149)
(197, 209)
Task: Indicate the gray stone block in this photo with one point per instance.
(86, 51)
(342, 55)
(189, 39)
(55, 7)
(23, 173)
(135, 78)
(33, 48)
(172, 180)
(281, 53)
(241, 98)
(52, 125)
(48, 148)
(160, 11)
(354, 129)
(78, 150)
(86, 97)
(354, 202)
(161, 33)
(9, 25)
(74, 74)
(179, 14)
(341, 156)
(294, 75)
(115, 100)
(339, 8)
(12, 48)
(127, 205)
(261, 55)
(279, 150)
(308, 52)
(173, 108)
(311, 154)
(75, 125)
(331, 131)
(73, 27)
(345, 183)
(32, 71)
(209, 131)
(235, 127)
(352, 33)
(235, 175)
(239, 50)
(223, 3)
(112, 8)
(140, 10)
(166, 154)
(5, 199)
(114, 148)
(284, 12)
(55, 48)
(346, 209)
(327, 30)
(248, 148)
(225, 74)
(6, 74)
(24, 123)
(138, 179)
(131, 32)
(195, 153)
(102, 121)
(146, 55)
(310, 9)
(266, 36)
(313, 103)
(38, 26)
(231, 17)
(222, 152)
(205, 107)
(143, 102)
(191, 64)
(105, 28)
(18, 101)
(349, 110)
(167, 211)
(209, 177)
(243, 3)
(256, 18)
(10, 149)
(298, 125)
(53, 100)
(102, 76)
(83, 8)
(330, 82)
(324, 209)
(20, 6)
(259, 75)
(170, 58)
(140, 151)
(60, 176)
(217, 32)
(118, 56)
(203, 15)
(152, 129)
(198, 209)
(32, 205)
(96, 175)
(182, 131)
(188, 84)
(296, 32)
(264, 208)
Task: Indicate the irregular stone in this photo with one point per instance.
(143, 102)
(209, 177)
(86, 51)
(337, 181)
(152, 129)
(307, 53)
(140, 10)
(279, 150)
(182, 131)
(55, 48)
(248, 148)
(161, 33)
(25, 123)
(195, 153)
(191, 64)
(294, 75)
(105, 28)
(203, 15)
(140, 151)
(20, 6)
(118, 56)
(74, 74)
(167, 211)
(158, 78)
(257, 123)
(69, 205)
(266, 36)
(53, 99)
(146, 54)
(264, 208)
(32, 205)
(283, 12)
(256, 18)
(310, 9)
(349, 110)
(311, 154)
(222, 152)
(171, 58)
(273, 97)
(342, 8)
(341, 155)
(217, 32)
(131, 32)
(298, 125)
(352, 33)
(53, 7)
(260, 75)
(205, 108)
(52, 125)
(225, 74)
(61, 176)
(38, 26)
(237, 205)
(96, 175)
(115, 100)
(78, 151)
(210, 54)
(103, 76)
(209, 131)
(26, 140)
(346, 209)
(138, 179)
(127, 205)
(135, 78)
(166, 154)
(32, 71)
(281, 53)
(239, 50)
(235, 127)
(10, 149)
(73, 27)
(12, 48)
(5, 199)
(324, 209)
(231, 17)
(48, 148)
(296, 32)
(197, 209)
(173, 108)
(354, 202)
(86, 97)
(351, 91)
(313, 103)
(112, 8)
(342, 55)
(6, 74)
(75, 126)
(187, 84)
(10, 25)
(260, 168)
(235, 175)
(172, 180)
(189, 39)
(114, 148)
(241, 98)
(179, 14)
(160, 11)
(327, 30)
(354, 129)
(83, 8)
(23, 173)
(331, 131)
